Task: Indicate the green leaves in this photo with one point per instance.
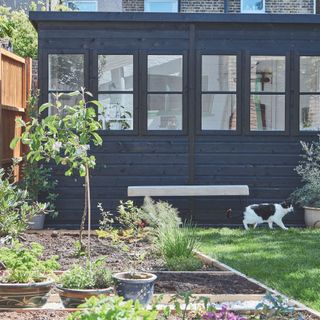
(14, 142)
(65, 135)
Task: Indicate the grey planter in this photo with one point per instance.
(37, 222)
(312, 217)
(135, 289)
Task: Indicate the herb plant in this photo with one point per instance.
(16, 209)
(95, 276)
(25, 265)
(112, 308)
(65, 136)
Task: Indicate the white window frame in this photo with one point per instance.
(147, 6)
(263, 10)
(79, 1)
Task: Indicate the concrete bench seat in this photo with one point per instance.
(188, 190)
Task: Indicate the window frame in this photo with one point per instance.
(149, 11)
(44, 78)
(134, 92)
(144, 93)
(92, 1)
(242, 10)
(199, 93)
(247, 93)
(297, 95)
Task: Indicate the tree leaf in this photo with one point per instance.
(14, 142)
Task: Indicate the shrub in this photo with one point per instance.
(160, 214)
(112, 308)
(183, 263)
(16, 210)
(94, 277)
(309, 170)
(24, 265)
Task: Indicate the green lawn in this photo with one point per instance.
(288, 261)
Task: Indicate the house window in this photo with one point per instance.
(161, 5)
(83, 5)
(65, 74)
(310, 93)
(218, 92)
(115, 91)
(267, 99)
(252, 6)
(164, 97)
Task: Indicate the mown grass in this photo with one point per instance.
(288, 261)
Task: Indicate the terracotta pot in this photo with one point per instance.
(37, 222)
(21, 295)
(135, 289)
(312, 217)
(72, 298)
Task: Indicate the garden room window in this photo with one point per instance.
(309, 113)
(115, 91)
(218, 92)
(267, 98)
(165, 92)
(83, 5)
(65, 74)
(252, 6)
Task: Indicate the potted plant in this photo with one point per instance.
(82, 282)
(133, 285)
(308, 195)
(25, 279)
(16, 209)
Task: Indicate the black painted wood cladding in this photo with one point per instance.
(264, 161)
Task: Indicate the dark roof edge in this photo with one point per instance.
(40, 16)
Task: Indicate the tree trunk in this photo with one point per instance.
(84, 216)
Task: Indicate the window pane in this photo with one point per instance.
(161, 6)
(310, 74)
(219, 73)
(164, 73)
(115, 72)
(252, 5)
(219, 112)
(165, 111)
(310, 112)
(117, 111)
(268, 74)
(83, 5)
(65, 100)
(267, 113)
(66, 72)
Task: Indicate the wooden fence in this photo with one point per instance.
(15, 87)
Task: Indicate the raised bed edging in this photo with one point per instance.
(223, 266)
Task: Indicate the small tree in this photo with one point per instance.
(65, 136)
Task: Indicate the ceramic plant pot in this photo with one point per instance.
(37, 222)
(312, 217)
(72, 298)
(29, 295)
(131, 288)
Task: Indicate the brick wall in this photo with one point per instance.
(217, 6)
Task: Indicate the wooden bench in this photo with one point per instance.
(188, 190)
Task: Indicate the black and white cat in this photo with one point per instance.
(266, 212)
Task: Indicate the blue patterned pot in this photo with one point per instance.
(72, 298)
(24, 295)
(134, 289)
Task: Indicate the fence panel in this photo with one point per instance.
(15, 87)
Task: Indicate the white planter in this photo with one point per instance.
(37, 222)
(312, 217)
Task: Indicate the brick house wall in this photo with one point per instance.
(217, 6)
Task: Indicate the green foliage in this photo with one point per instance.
(175, 243)
(159, 214)
(95, 276)
(107, 220)
(65, 135)
(16, 209)
(191, 263)
(309, 170)
(129, 215)
(15, 26)
(24, 265)
(112, 308)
